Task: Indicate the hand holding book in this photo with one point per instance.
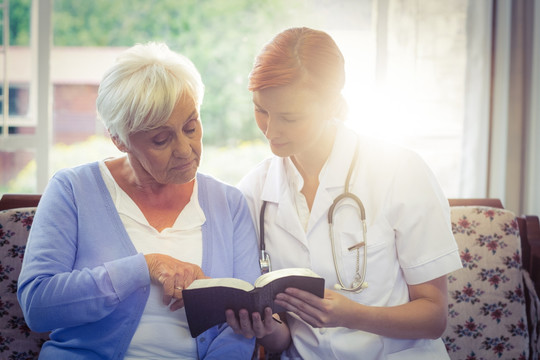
(206, 300)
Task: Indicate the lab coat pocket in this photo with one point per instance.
(380, 270)
(352, 251)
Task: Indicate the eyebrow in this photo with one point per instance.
(281, 113)
(190, 116)
(166, 126)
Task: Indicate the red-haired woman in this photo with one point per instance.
(387, 246)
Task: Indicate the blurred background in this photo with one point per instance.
(454, 80)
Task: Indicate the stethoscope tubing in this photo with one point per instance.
(359, 284)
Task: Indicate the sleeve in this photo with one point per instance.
(420, 215)
(226, 344)
(251, 186)
(246, 255)
(221, 341)
(51, 291)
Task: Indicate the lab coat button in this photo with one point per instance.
(322, 331)
(202, 339)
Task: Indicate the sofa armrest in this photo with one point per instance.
(529, 231)
(14, 201)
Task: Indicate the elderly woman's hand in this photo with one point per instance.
(174, 275)
(255, 326)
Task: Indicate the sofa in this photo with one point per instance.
(17, 341)
(493, 309)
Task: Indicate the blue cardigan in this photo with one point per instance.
(83, 278)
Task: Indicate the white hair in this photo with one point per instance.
(141, 89)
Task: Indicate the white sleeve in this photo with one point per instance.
(420, 215)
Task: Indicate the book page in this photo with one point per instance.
(228, 282)
(276, 274)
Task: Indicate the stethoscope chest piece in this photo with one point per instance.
(264, 262)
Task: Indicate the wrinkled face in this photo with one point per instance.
(292, 118)
(171, 153)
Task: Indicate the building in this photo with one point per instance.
(75, 76)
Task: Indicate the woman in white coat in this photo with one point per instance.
(400, 309)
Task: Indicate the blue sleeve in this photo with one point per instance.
(246, 250)
(61, 285)
(225, 345)
(220, 341)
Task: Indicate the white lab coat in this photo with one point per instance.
(409, 239)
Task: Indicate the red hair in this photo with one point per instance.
(300, 54)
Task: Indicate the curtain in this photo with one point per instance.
(502, 120)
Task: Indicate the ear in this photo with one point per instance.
(118, 143)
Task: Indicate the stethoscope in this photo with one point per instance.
(359, 282)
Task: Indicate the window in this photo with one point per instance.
(409, 66)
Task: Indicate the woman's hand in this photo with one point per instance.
(256, 327)
(270, 332)
(331, 311)
(423, 317)
(173, 275)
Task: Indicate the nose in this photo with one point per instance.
(182, 148)
(269, 127)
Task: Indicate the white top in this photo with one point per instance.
(161, 334)
(409, 239)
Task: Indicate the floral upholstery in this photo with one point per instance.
(17, 341)
(487, 312)
(487, 302)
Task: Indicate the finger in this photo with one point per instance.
(305, 296)
(294, 304)
(284, 303)
(304, 300)
(186, 273)
(200, 274)
(310, 316)
(245, 324)
(313, 315)
(258, 325)
(168, 290)
(177, 304)
(233, 321)
(177, 294)
(311, 319)
(270, 322)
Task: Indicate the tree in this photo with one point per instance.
(220, 37)
(19, 22)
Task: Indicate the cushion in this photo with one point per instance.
(17, 341)
(487, 311)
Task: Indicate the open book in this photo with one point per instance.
(206, 300)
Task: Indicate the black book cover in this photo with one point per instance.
(205, 306)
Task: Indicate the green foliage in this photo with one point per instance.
(19, 22)
(228, 164)
(220, 37)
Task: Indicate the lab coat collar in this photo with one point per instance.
(334, 172)
(333, 175)
(276, 190)
(275, 182)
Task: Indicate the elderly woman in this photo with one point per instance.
(114, 242)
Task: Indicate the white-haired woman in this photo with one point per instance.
(114, 242)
